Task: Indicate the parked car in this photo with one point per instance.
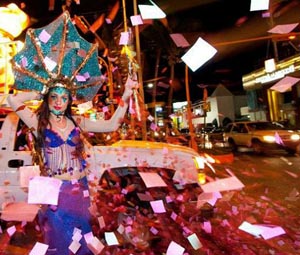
(260, 136)
(211, 133)
(16, 152)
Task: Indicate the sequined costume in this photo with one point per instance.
(72, 210)
(61, 156)
(62, 160)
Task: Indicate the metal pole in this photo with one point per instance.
(193, 143)
(140, 74)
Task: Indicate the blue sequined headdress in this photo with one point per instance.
(56, 55)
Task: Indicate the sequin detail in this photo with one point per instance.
(53, 139)
(61, 156)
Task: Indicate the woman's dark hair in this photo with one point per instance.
(43, 113)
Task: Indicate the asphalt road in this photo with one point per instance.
(270, 198)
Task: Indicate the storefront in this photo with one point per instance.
(273, 104)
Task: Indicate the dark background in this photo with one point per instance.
(241, 37)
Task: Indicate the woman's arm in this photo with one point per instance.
(17, 103)
(114, 122)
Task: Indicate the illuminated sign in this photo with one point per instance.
(275, 75)
(258, 78)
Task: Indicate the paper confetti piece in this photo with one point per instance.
(152, 180)
(153, 230)
(39, 249)
(270, 232)
(230, 183)
(101, 222)
(80, 78)
(74, 246)
(194, 241)
(158, 206)
(44, 36)
(50, 64)
(86, 193)
(136, 20)
(77, 236)
(88, 237)
(95, 245)
(207, 227)
(47, 195)
(175, 249)
(292, 174)
(24, 62)
(111, 238)
(11, 230)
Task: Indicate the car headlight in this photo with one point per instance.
(269, 138)
(295, 137)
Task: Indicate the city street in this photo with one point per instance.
(133, 128)
(270, 198)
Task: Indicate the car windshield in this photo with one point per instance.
(265, 126)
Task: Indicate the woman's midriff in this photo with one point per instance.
(67, 177)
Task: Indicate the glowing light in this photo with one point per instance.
(13, 20)
(295, 137)
(269, 138)
(201, 177)
(292, 37)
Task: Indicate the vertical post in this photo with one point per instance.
(193, 143)
(171, 89)
(108, 67)
(158, 53)
(140, 74)
(111, 85)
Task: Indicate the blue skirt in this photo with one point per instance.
(71, 212)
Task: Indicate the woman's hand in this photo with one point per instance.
(130, 85)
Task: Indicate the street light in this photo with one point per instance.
(12, 22)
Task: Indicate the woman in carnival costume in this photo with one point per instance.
(56, 130)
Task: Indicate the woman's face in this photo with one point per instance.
(58, 100)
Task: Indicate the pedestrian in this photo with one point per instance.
(58, 137)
